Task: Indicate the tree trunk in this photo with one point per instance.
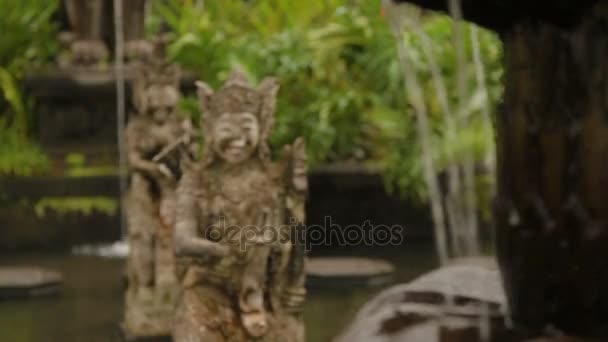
(552, 206)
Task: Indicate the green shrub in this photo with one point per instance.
(29, 41)
(342, 86)
(19, 156)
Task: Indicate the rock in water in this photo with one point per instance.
(348, 271)
(25, 282)
(413, 311)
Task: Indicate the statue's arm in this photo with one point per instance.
(135, 158)
(297, 192)
(137, 163)
(295, 290)
(187, 241)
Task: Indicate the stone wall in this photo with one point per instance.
(349, 195)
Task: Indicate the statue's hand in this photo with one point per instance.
(165, 171)
(293, 299)
(216, 250)
(199, 248)
(223, 267)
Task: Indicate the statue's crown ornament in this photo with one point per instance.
(153, 70)
(157, 73)
(238, 96)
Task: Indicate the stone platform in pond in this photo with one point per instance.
(26, 282)
(348, 271)
(445, 305)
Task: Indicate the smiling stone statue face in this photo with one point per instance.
(236, 136)
(162, 101)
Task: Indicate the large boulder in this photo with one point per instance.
(459, 302)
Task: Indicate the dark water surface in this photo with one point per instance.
(90, 307)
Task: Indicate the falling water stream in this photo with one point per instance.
(454, 210)
(468, 202)
(415, 96)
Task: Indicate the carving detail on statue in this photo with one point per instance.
(153, 136)
(85, 42)
(92, 32)
(134, 18)
(241, 279)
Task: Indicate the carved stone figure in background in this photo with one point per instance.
(134, 14)
(92, 32)
(85, 42)
(242, 274)
(152, 135)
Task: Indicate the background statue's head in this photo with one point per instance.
(238, 119)
(156, 88)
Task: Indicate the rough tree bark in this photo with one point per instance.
(552, 204)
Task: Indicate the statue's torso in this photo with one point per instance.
(150, 138)
(244, 213)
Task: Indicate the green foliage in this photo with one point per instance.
(28, 38)
(28, 42)
(83, 205)
(76, 166)
(306, 44)
(342, 86)
(473, 135)
(19, 156)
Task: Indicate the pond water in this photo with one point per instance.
(90, 307)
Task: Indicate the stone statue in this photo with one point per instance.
(92, 24)
(153, 136)
(238, 259)
(134, 18)
(85, 43)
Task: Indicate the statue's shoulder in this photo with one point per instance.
(178, 122)
(292, 161)
(195, 179)
(275, 171)
(137, 124)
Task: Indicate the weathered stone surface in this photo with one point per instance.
(78, 108)
(155, 155)
(23, 282)
(239, 260)
(88, 43)
(85, 42)
(413, 311)
(348, 271)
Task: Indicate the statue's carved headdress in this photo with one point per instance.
(238, 96)
(155, 69)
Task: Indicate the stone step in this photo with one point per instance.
(346, 272)
(27, 282)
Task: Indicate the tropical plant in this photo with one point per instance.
(472, 134)
(29, 42)
(342, 87)
(306, 45)
(19, 156)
